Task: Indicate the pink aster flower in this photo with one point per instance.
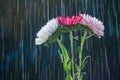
(94, 24)
(69, 20)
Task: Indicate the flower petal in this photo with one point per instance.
(94, 24)
(46, 31)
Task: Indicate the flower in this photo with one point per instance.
(46, 31)
(94, 24)
(69, 20)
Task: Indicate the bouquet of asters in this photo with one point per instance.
(50, 33)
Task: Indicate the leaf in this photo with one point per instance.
(69, 65)
(71, 77)
(61, 56)
(65, 67)
(85, 61)
(64, 51)
(77, 67)
(68, 77)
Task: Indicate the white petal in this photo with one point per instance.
(39, 41)
(46, 31)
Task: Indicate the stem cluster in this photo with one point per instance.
(73, 70)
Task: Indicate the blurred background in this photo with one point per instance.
(21, 59)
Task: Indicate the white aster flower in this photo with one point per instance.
(46, 31)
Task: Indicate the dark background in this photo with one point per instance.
(20, 59)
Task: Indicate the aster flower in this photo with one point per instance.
(46, 31)
(94, 24)
(68, 21)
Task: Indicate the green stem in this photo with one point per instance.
(65, 61)
(72, 53)
(81, 46)
(81, 53)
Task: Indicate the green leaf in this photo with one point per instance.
(69, 65)
(77, 67)
(61, 56)
(64, 51)
(68, 77)
(85, 61)
(65, 67)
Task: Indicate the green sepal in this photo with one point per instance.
(62, 30)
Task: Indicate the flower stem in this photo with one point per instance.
(72, 53)
(81, 54)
